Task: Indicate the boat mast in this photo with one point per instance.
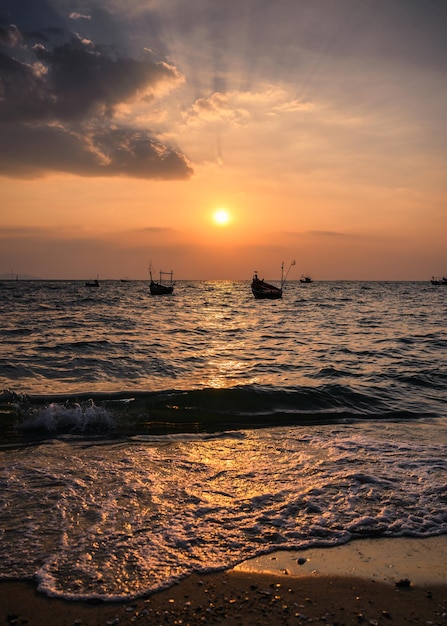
(283, 280)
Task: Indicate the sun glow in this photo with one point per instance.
(221, 217)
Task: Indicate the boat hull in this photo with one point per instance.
(264, 294)
(264, 291)
(439, 281)
(160, 290)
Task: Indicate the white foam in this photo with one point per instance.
(122, 518)
(78, 416)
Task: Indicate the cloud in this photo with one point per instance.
(333, 234)
(238, 109)
(35, 150)
(19, 232)
(217, 107)
(161, 230)
(79, 16)
(329, 235)
(57, 105)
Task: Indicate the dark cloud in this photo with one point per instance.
(72, 81)
(57, 102)
(29, 151)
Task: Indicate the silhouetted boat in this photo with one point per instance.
(265, 291)
(160, 289)
(92, 283)
(305, 278)
(261, 289)
(438, 281)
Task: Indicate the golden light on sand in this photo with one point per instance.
(221, 217)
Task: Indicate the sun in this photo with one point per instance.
(221, 217)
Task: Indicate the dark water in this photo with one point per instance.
(145, 437)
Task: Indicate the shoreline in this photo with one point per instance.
(247, 597)
(423, 561)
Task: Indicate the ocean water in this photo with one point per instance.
(146, 437)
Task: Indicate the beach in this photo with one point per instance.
(271, 594)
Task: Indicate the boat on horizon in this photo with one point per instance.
(305, 278)
(158, 288)
(435, 280)
(92, 283)
(265, 291)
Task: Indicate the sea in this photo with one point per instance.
(144, 438)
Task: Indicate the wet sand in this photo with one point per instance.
(243, 596)
(423, 561)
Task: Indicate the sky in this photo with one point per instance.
(219, 137)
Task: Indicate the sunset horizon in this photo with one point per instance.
(216, 139)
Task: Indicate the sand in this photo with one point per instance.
(392, 581)
(423, 561)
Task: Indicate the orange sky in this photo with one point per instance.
(320, 127)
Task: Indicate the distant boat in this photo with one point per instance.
(160, 289)
(438, 281)
(305, 278)
(265, 291)
(92, 283)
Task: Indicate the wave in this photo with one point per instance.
(129, 412)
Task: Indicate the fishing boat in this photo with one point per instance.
(261, 289)
(265, 291)
(305, 278)
(438, 281)
(92, 283)
(159, 288)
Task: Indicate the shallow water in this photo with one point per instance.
(147, 437)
